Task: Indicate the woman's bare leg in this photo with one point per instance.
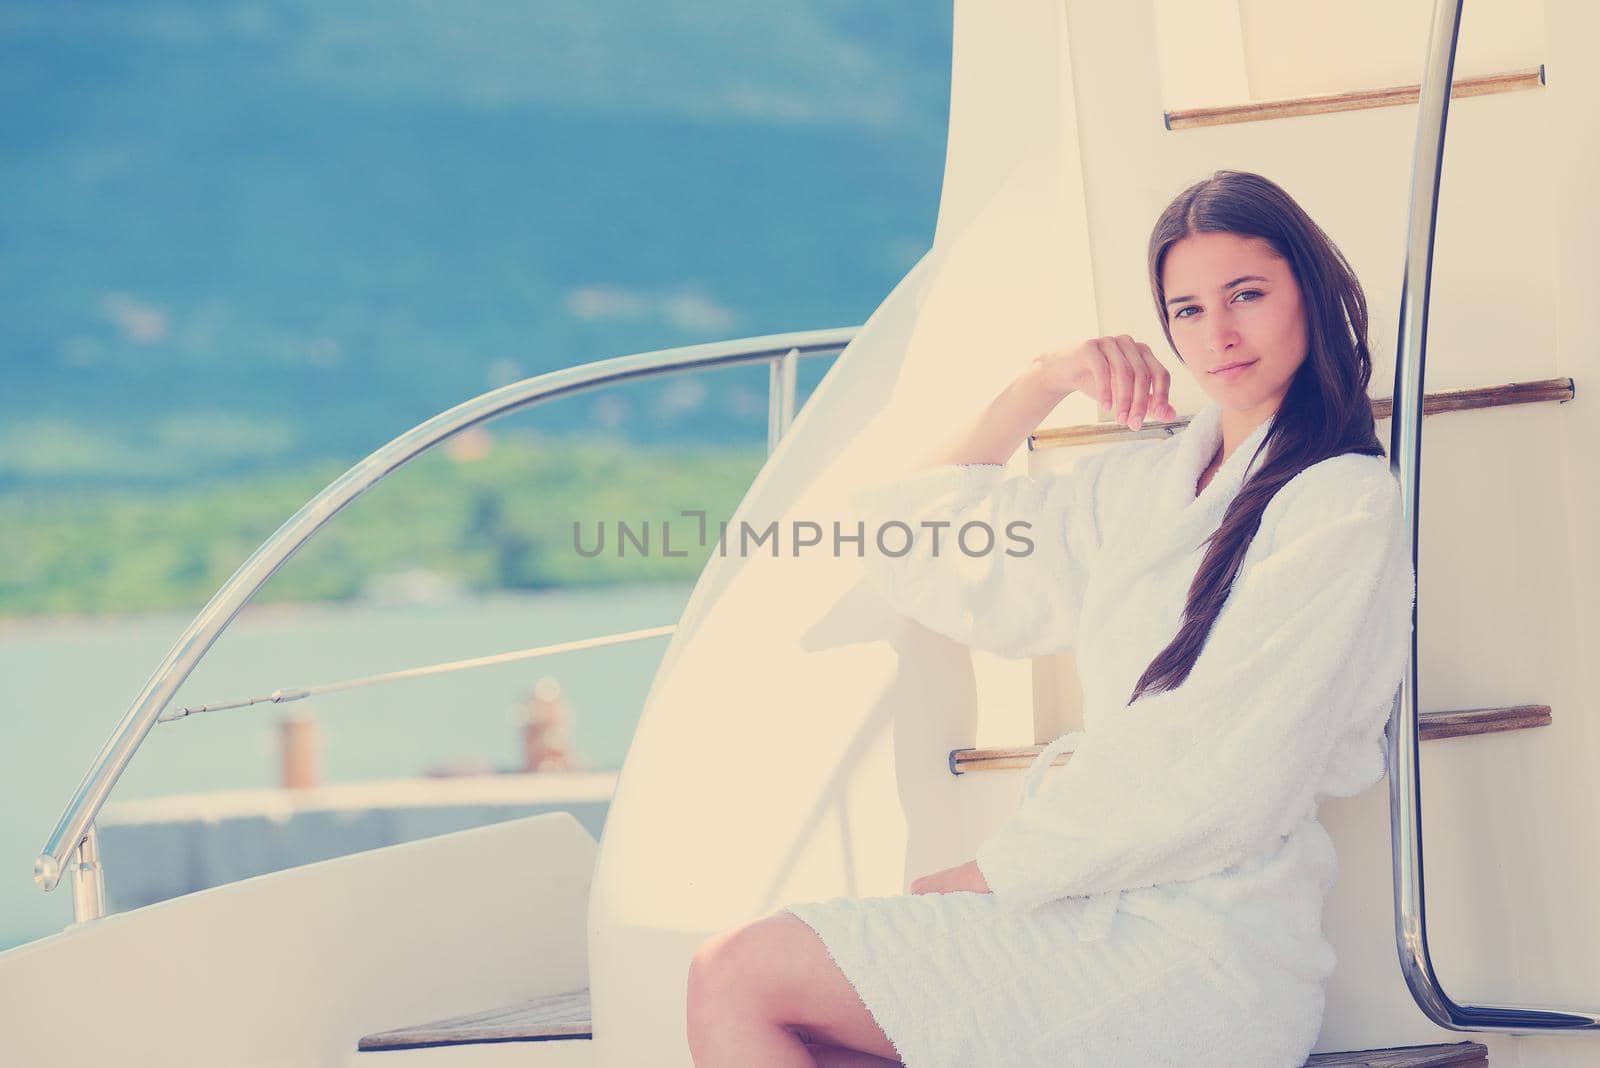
(758, 994)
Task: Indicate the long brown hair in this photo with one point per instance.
(1326, 410)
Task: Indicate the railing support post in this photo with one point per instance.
(780, 396)
(88, 879)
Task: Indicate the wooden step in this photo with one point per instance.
(1554, 390)
(556, 1017)
(1431, 726)
(567, 1016)
(1357, 100)
(1443, 1055)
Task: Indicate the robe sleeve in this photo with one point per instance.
(1306, 656)
(1019, 598)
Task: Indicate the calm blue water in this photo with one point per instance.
(66, 684)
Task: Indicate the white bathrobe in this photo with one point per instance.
(1158, 900)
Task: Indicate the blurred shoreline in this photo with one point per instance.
(278, 611)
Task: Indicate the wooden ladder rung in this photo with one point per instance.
(1431, 726)
(1444, 400)
(1354, 100)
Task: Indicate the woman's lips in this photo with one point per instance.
(1235, 371)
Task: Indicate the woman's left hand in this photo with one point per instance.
(962, 877)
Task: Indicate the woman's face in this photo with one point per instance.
(1233, 300)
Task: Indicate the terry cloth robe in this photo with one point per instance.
(1158, 900)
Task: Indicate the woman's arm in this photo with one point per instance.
(993, 562)
(1005, 423)
(1118, 370)
(996, 563)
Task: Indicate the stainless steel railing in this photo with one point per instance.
(75, 834)
(1405, 451)
(286, 694)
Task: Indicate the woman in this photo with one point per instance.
(1240, 598)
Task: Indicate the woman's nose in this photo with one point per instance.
(1222, 335)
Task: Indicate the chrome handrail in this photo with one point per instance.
(76, 823)
(1405, 451)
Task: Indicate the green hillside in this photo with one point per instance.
(497, 514)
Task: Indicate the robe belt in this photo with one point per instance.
(1066, 743)
(1099, 910)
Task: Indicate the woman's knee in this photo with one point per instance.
(730, 984)
(776, 972)
(723, 972)
(752, 968)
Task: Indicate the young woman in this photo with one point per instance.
(1240, 598)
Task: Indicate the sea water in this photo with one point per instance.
(66, 683)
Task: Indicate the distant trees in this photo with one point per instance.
(495, 519)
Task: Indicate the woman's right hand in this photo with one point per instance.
(1123, 374)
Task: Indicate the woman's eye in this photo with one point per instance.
(1253, 294)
